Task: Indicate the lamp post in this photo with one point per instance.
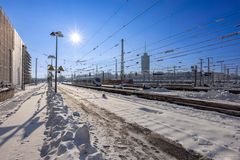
(56, 34)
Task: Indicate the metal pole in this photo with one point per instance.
(201, 63)
(51, 75)
(56, 65)
(122, 62)
(195, 76)
(96, 71)
(236, 74)
(174, 74)
(212, 72)
(116, 74)
(228, 76)
(36, 72)
(208, 70)
(222, 74)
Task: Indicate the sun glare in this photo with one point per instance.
(75, 38)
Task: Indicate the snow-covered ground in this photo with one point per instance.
(21, 133)
(117, 139)
(66, 138)
(212, 95)
(211, 134)
(42, 127)
(34, 127)
(11, 105)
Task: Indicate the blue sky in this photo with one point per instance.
(35, 19)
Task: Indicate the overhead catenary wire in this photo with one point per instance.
(162, 52)
(106, 22)
(122, 27)
(192, 36)
(195, 52)
(192, 51)
(198, 26)
(185, 55)
(215, 20)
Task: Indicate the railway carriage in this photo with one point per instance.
(88, 81)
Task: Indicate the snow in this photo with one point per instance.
(21, 134)
(212, 95)
(36, 125)
(66, 138)
(11, 105)
(162, 89)
(113, 137)
(212, 134)
(216, 94)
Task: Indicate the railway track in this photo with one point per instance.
(131, 134)
(226, 108)
(204, 131)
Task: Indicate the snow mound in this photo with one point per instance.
(216, 94)
(65, 137)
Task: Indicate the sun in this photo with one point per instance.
(75, 38)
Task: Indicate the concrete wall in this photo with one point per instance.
(5, 94)
(17, 61)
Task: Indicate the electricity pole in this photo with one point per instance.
(122, 60)
(96, 70)
(208, 70)
(201, 64)
(195, 75)
(228, 75)
(36, 72)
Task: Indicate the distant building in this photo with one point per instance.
(26, 65)
(145, 63)
(15, 61)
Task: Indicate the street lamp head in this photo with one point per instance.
(52, 34)
(51, 57)
(57, 34)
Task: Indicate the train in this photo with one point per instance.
(88, 81)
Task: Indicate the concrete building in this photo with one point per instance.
(145, 63)
(6, 48)
(15, 61)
